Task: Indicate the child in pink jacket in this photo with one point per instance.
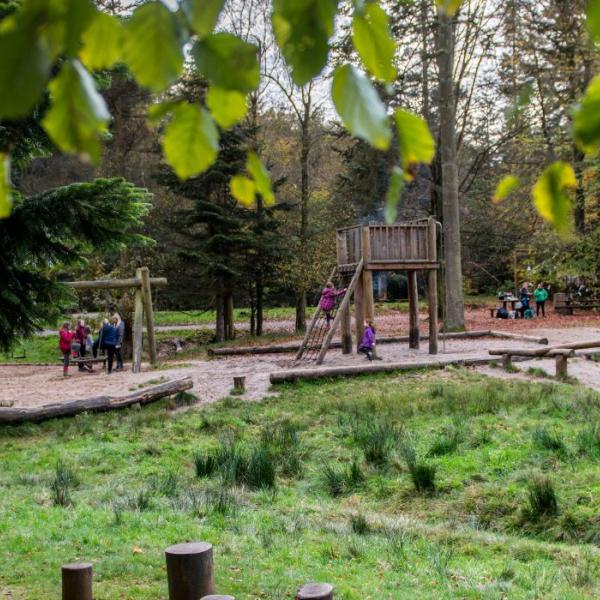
(328, 300)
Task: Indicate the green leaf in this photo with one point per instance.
(373, 42)
(151, 46)
(24, 70)
(228, 62)
(156, 112)
(360, 108)
(302, 29)
(191, 140)
(393, 195)
(448, 6)
(593, 18)
(102, 43)
(5, 188)
(415, 142)
(71, 19)
(78, 116)
(551, 198)
(261, 177)
(204, 14)
(586, 118)
(505, 188)
(227, 107)
(243, 189)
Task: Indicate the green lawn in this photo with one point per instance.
(342, 505)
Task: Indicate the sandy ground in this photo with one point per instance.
(213, 379)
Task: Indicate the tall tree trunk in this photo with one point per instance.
(260, 292)
(229, 316)
(304, 197)
(220, 310)
(579, 211)
(455, 317)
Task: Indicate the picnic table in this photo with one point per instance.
(512, 300)
(565, 304)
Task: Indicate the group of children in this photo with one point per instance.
(80, 343)
(328, 302)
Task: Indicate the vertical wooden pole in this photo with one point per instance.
(315, 591)
(413, 311)
(369, 302)
(147, 298)
(346, 331)
(561, 366)
(432, 302)
(138, 325)
(190, 571)
(77, 581)
(359, 311)
(230, 319)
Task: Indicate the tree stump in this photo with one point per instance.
(77, 581)
(239, 384)
(506, 361)
(315, 591)
(190, 571)
(561, 365)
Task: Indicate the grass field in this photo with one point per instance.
(426, 485)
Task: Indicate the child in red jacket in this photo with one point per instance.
(65, 342)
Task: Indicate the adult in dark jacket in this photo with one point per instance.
(120, 327)
(98, 344)
(109, 341)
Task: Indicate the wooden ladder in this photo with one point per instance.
(312, 334)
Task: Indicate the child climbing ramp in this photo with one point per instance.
(329, 301)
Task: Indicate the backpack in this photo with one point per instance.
(502, 313)
(528, 314)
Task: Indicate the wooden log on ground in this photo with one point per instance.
(108, 284)
(533, 352)
(147, 395)
(518, 336)
(77, 581)
(190, 571)
(561, 352)
(292, 375)
(315, 591)
(294, 346)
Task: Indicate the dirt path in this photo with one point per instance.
(213, 379)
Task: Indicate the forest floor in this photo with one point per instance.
(430, 485)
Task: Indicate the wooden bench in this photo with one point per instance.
(87, 361)
(564, 304)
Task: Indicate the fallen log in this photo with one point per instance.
(294, 346)
(518, 336)
(293, 375)
(545, 351)
(36, 414)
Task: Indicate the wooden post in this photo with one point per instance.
(432, 302)
(315, 591)
(346, 330)
(147, 299)
(190, 571)
(367, 277)
(561, 365)
(138, 326)
(359, 312)
(77, 581)
(506, 361)
(413, 310)
(239, 383)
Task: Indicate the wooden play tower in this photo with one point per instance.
(406, 247)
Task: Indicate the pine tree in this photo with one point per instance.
(54, 230)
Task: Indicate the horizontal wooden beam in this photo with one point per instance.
(108, 284)
(400, 265)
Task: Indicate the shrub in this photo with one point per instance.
(62, 483)
(542, 497)
(422, 473)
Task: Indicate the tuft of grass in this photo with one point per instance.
(542, 497)
(284, 443)
(445, 442)
(333, 480)
(548, 440)
(377, 438)
(63, 481)
(537, 372)
(260, 469)
(221, 501)
(141, 501)
(206, 464)
(588, 441)
(421, 472)
(359, 524)
(181, 400)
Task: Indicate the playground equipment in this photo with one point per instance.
(361, 250)
(142, 283)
